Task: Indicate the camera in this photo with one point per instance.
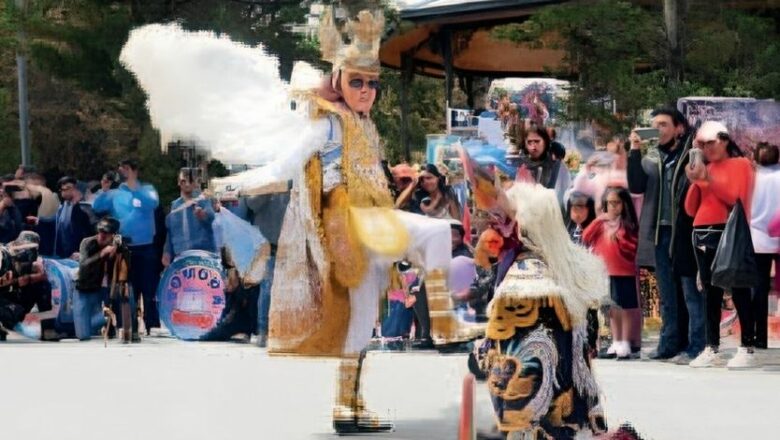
(18, 260)
(21, 254)
(117, 240)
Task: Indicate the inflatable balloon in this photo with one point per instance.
(462, 274)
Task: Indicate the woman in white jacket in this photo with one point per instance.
(764, 207)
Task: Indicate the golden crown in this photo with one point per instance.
(364, 35)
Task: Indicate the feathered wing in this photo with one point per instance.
(225, 95)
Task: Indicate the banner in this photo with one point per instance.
(191, 294)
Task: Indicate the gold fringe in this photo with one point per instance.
(347, 255)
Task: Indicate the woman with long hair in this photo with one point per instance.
(434, 196)
(539, 162)
(614, 236)
(718, 182)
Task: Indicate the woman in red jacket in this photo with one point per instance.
(715, 188)
(614, 236)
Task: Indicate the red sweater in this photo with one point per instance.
(709, 202)
(618, 253)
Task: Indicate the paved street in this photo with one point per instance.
(168, 389)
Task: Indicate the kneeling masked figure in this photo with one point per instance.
(535, 351)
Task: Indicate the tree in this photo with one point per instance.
(426, 113)
(618, 51)
(216, 168)
(87, 111)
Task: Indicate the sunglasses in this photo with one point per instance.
(358, 84)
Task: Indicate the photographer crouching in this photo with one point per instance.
(23, 283)
(103, 279)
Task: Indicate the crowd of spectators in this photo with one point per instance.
(661, 206)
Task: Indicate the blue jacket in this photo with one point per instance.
(70, 225)
(133, 208)
(185, 231)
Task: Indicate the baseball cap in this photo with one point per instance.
(710, 130)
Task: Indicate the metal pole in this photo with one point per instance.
(24, 124)
(21, 68)
(446, 53)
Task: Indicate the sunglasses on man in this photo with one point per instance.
(358, 83)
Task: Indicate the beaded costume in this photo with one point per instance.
(535, 352)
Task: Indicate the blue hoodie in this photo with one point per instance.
(187, 232)
(133, 208)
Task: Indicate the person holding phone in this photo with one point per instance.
(665, 233)
(716, 187)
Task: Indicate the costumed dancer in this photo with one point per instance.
(535, 352)
(340, 234)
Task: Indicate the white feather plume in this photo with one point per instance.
(225, 95)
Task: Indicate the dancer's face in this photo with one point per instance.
(359, 90)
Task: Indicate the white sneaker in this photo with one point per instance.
(623, 349)
(745, 358)
(613, 348)
(708, 358)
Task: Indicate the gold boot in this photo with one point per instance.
(446, 328)
(350, 415)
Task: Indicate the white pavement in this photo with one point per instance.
(171, 390)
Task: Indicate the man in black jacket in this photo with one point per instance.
(97, 257)
(665, 233)
(71, 224)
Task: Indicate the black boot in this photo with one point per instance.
(233, 324)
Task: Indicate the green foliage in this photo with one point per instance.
(160, 169)
(87, 111)
(10, 155)
(426, 113)
(216, 168)
(735, 53)
(617, 50)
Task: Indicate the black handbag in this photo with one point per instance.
(734, 265)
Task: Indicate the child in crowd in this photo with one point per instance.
(614, 236)
(398, 322)
(581, 211)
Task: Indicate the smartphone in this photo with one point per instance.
(647, 133)
(695, 157)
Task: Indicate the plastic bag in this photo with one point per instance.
(735, 259)
(246, 245)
